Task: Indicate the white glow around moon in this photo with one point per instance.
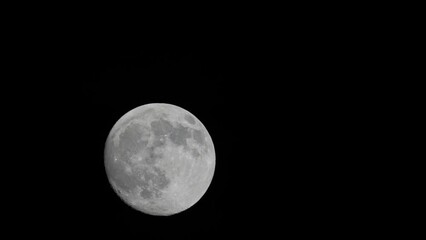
(159, 158)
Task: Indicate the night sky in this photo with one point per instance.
(261, 100)
(203, 79)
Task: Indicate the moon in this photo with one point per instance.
(159, 159)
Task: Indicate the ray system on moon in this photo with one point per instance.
(160, 159)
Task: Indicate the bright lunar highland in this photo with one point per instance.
(159, 159)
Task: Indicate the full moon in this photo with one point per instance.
(159, 159)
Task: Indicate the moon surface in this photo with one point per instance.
(159, 159)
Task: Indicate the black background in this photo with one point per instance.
(226, 84)
(195, 78)
(191, 78)
(269, 104)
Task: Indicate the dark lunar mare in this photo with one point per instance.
(152, 157)
(131, 144)
(190, 119)
(179, 135)
(131, 141)
(158, 179)
(161, 127)
(126, 182)
(195, 153)
(198, 136)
